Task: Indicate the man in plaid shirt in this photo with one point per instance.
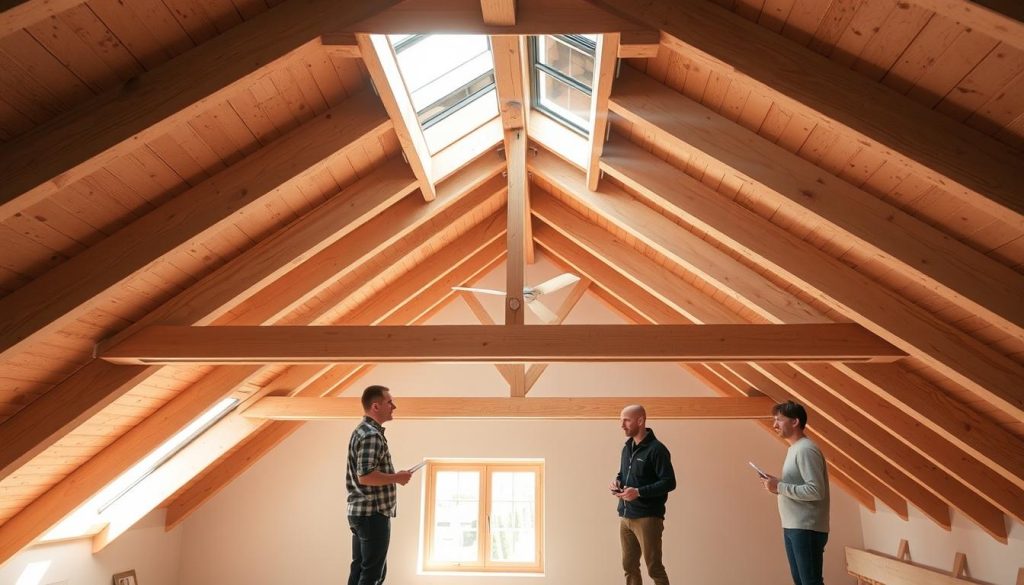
(372, 489)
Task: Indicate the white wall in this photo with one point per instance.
(285, 517)
(930, 545)
(153, 553)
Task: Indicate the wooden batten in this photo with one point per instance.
(658, 408)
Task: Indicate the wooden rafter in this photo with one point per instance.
(1002, 20)
(380, 61)
(434, 288)
(72, 146)
(19, 14)
(410, 219)
(954, 492)
(84, 393)
(979, 368)
(944, 265)
(624, 293)
(124, 452)
(605, 62)
(61, 295)
(663, 235)
(959, 159)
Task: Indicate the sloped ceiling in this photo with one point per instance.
(229, 163)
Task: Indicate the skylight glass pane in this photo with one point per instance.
(567, 60)
(468, 118)
(441, 64)
(88, 518)
(564, 100)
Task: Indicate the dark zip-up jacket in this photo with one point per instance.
(647, 467)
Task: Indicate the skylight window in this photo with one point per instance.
(563, 77)
(450, 80)
(88, 519)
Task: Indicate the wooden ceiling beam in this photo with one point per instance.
(411, 219)
(499, 12)
(518, 217)
(991, 375)
(481, 314)
(481, 343)
(931, 407)
(18, 14)
(932, 446)
(639, 44)
(974, 167)
(976, 474)
(61, 295)
(571, 300)
(696, 255)
(878, 439)
(89, 478)
(209, 447)
(382, 65)
(632, 296)
(344, 45)
(70, 147)
(512, 88)
(682, 408)
(533, 17)
(1003, 20)
(944, 265)
(605, 65)
(74, 400)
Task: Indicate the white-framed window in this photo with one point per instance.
(484, 516)
(562, 69)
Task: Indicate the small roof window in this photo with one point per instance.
(450, 81)
(563, 77)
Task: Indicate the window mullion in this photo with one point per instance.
(485, 508)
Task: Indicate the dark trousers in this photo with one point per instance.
(370, 538)
(806, 552)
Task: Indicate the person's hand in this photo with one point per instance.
(629, 494)
(771, 483)
(615, 487)
(403, 477)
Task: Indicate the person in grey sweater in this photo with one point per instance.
(803, 496)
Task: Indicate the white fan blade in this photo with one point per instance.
(484, 291)
(557, 283)
(541, 311)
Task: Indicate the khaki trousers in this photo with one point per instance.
(642, 536)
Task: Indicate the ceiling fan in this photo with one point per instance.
(530, 294)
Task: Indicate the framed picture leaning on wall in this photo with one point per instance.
(126, 578)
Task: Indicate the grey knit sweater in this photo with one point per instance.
(803, 488)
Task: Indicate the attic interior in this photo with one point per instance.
(817, 200)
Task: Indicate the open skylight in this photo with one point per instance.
(450, 80)
(88, 519)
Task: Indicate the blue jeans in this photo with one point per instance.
(806, 552)
(371, 536)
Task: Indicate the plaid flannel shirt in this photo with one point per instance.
(367, 451)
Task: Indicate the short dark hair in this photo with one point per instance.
(790, 409)
(373, 394)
